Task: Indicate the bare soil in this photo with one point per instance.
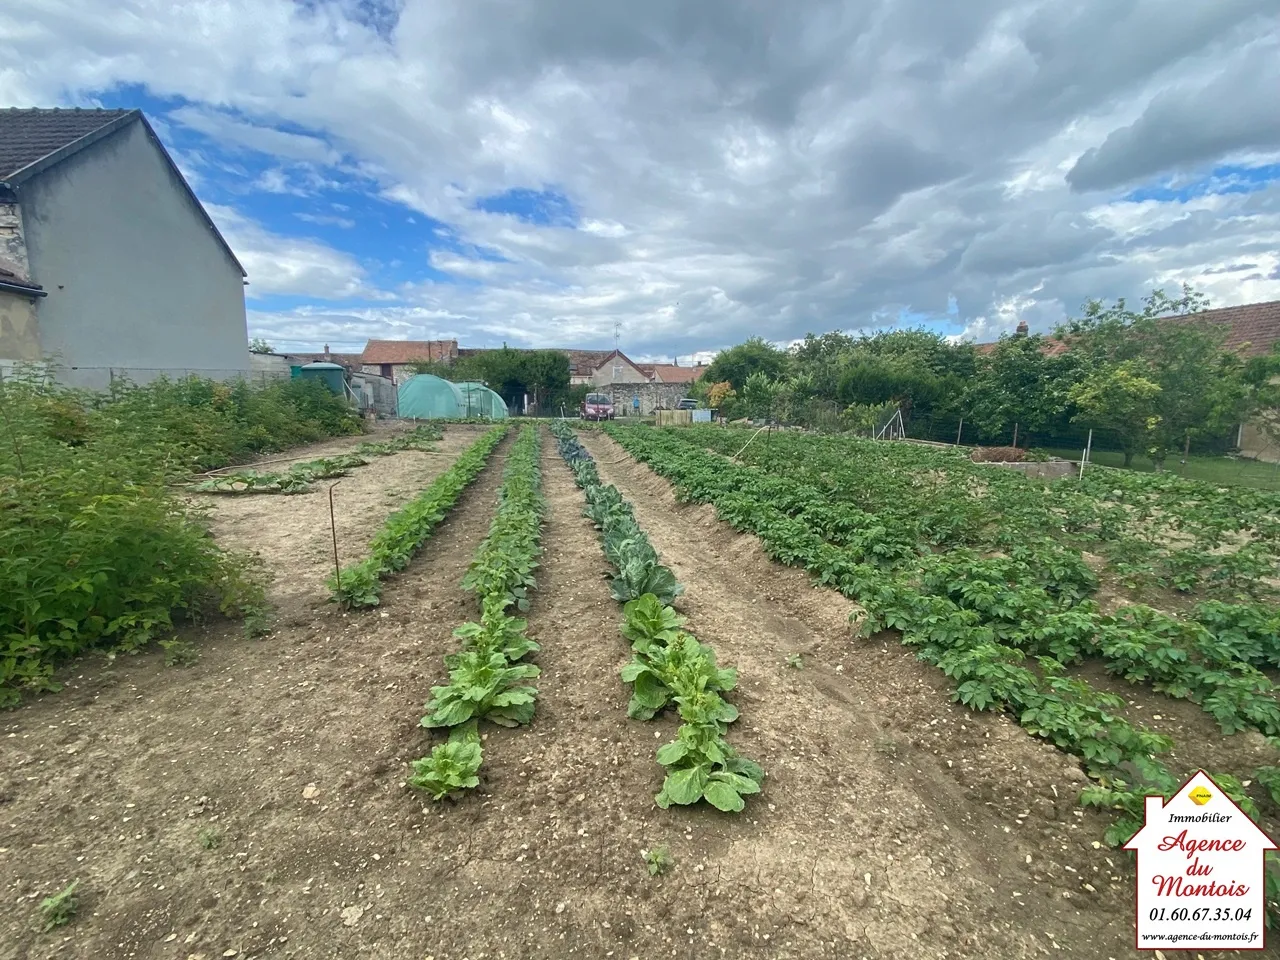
(253, 805)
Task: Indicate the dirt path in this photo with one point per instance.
(242, 803)
(293, 537)
(967, 827)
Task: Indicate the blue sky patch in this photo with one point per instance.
(1228, 178)
(543, 208)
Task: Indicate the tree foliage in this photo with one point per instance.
(738, 363)
(1152, 377)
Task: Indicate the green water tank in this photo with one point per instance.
(331, 375)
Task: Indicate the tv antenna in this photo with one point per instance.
(617, 357)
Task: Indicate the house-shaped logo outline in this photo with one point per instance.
(1155, 804)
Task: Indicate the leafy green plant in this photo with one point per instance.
(99, 552)
(179, 653)
(60, 909)
(657, 859)
(451, 768)
(209, 838)
(701, 765)
(482, 685)
(669, 664)
(795, 661)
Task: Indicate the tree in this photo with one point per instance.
(1019, 384)
(1203, 389)
(738, 363)
(757, 395)
(1119, 398)
(259, 345)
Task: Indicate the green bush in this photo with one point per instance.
(98, 552)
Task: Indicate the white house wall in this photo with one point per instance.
(138, 284)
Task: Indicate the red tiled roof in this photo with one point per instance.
(1253, 328)
(1049, 346)
(378, 352)
(351, 361)
(671, 373)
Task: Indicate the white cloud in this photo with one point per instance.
(772, 169)
(288, 265)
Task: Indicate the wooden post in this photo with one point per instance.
(333, 528)
(1087, 447)
(959, 431)
(1015, 435)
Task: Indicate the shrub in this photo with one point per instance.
(98, 550)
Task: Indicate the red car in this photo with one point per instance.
(597, 406)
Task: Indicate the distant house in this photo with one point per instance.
(109, 265)
(671, 372)
(1252, 330)
(606, 367)
(394, 359)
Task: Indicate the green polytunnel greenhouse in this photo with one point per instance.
(425, 397)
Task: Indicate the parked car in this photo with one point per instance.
(688, 403)
(597, 406)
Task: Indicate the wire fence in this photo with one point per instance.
(101, 378)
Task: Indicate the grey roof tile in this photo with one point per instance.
(30, 135)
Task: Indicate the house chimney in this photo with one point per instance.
(1022, 329)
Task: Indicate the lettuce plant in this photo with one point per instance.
(482, 685)
(451, 767)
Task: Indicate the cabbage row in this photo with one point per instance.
(486, 677)
(669, 665)
(359, 584)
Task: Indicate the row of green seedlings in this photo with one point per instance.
(359, 584)
(486, 679)
(299, 477)
(669, 665)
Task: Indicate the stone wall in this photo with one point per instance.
(652, 396)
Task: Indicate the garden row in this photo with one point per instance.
(976, 617)
(300, 476)
(486, 678)
(359, 584)
(984, 551)
(669, 664)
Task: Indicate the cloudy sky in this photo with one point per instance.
(698, 171)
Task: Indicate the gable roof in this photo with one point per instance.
(1049, 346)
(583, 363)
(407, 351)
(1155, 803)
(30, 136)
(34, 139)
(594, 360)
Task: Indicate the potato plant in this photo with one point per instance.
(982, 572)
